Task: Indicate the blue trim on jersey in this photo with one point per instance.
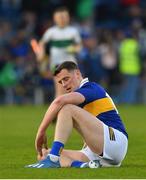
(98, 103)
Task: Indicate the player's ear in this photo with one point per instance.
(78, 72)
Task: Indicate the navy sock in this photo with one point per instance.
(77, 163)
(56, 148)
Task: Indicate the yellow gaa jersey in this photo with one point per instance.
(100, 104)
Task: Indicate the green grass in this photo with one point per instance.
(18, 126)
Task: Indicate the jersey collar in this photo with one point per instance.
(85, 80)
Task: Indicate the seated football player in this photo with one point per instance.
(89, 109)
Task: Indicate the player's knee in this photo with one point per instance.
(66, 109)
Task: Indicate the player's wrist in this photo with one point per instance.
(41, 132)
(71, 49)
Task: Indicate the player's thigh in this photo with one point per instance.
(115, 145)
(89, 127)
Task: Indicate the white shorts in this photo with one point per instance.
(115, 148)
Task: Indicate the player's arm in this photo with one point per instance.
(42, 52)
(70, 98)
(38, 48)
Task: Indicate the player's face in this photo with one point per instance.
(61, 18)
(70, 80)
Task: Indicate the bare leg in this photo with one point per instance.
(67, 156)
(87, 125)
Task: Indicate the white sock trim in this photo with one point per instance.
(53, 157)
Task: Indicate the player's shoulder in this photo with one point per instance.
(72, 28)
(53, 28)
(57, 28)
(92, 85)
(49, 30)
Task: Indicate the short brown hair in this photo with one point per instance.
(69, 65)
(61, 9)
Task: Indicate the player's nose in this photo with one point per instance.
(63, 84)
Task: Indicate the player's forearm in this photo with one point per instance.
(38, 48)
(50, 115)
(41, 54)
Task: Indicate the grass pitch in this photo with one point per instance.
(18, 126)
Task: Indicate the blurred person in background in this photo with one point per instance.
(64, 41)
(8, 78)
(140, 31)
(108, 53)
(130, 68)
(90, 58)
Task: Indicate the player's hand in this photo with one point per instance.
(37, 49)
(71, 49)
(44, 152)
(40, 142)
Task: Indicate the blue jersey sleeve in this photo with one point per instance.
(91, 92)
